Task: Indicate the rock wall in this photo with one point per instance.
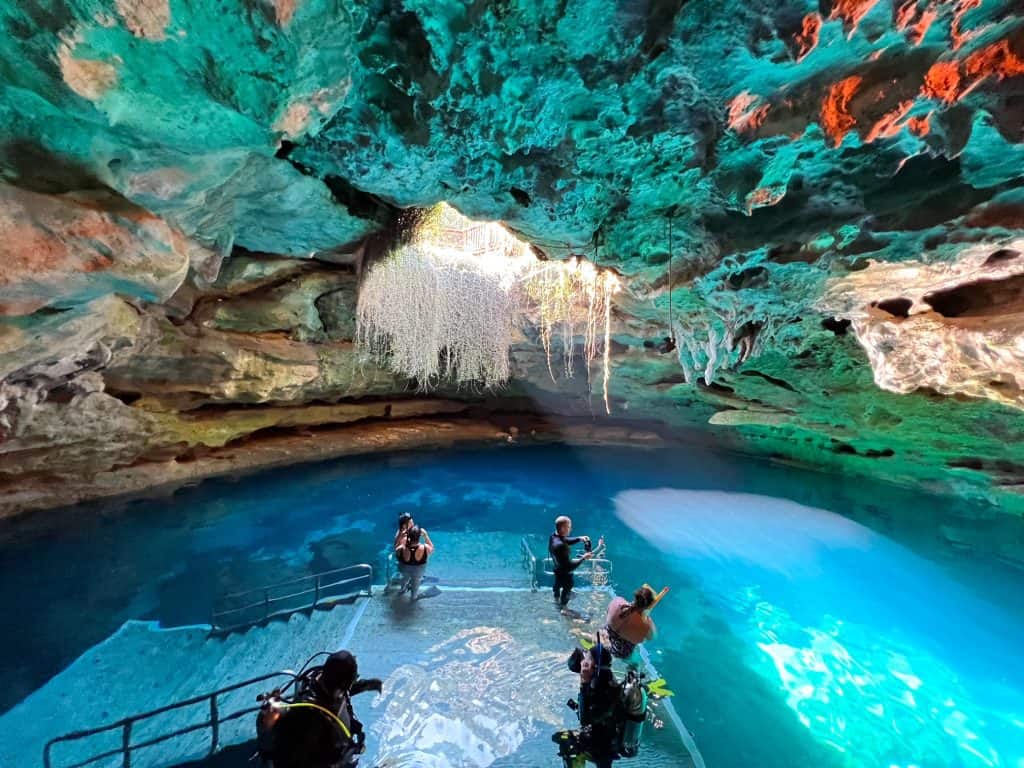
(816, 206)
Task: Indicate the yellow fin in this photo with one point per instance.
(587, 643)
(657, 688)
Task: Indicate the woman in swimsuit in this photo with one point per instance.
(412, 555)
(628, 624)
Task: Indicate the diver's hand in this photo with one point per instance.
(587, 555)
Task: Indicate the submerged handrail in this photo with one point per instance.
(595, 569)
(389, 574)
(126, 725)
(360, 575)
(529, 562)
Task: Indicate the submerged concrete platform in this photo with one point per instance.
(473, 676)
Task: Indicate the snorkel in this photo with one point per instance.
(657, 596)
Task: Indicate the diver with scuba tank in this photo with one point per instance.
(316, 726)
(612, 714)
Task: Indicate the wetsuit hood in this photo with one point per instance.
(340, 672)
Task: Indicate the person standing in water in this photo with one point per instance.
(412, 555)
(559, 547)
(628, 624)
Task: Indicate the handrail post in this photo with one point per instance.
(266, 604)
(126, 745)
(316, 591)
(214, 724)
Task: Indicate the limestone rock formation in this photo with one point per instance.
(816, 207)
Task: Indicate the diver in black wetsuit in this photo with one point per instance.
(559, 548)
(317, 728)
(599, 708)
(612, 713)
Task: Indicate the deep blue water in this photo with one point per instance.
(882, 632)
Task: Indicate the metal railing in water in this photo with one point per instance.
(529, 562)
(597, 570)
(319, 588)
(126, 725)
(390, 571)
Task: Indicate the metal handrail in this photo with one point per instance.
(389, 574)
(320, 591)
(126, 725)
(529, 563)
(588, 568)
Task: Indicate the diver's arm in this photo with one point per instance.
(574, 564)
(369, 684)
(426, 537)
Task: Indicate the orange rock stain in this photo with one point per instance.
(807, 37)
(836, 119)
(746, 113)
(851, 12)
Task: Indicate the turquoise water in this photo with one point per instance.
(881, 633)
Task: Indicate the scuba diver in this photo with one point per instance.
(315, 727)
(612, 714)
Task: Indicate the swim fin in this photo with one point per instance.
(657, 688)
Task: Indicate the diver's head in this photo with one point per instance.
(563, 525)
(412, 536)
(404, 521)
(643, 598)
(601, 674)
(339, 672)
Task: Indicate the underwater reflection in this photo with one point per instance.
(880, 654)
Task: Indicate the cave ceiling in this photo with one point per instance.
(819, 202)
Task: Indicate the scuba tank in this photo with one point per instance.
(634, 704)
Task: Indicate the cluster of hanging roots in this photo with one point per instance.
(445, 307)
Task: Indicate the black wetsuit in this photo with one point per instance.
(599, 708)
(558, 548)
(307, 738)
